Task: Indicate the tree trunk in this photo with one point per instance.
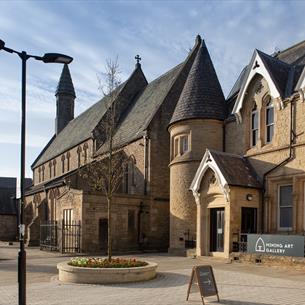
(109, 201)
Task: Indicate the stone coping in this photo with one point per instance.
(84, 275)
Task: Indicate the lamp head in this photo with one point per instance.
(56, 58)
(2, 44)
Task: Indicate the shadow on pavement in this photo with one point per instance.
(232, 302)
(162, 280)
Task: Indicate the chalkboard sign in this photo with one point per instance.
(203, 276)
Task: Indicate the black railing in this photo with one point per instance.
(64, 237)
(71, 233)
(48, 236)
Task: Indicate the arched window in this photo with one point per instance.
(42, 172)
(254, 125)
(269, 121)
(54, 167)
(62, 164)
(79, 151)
(50, 169)
(68, 160)
(39, 174)
(132, 170)
(85, 148)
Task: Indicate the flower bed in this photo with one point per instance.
(93, 262)
(101, 271)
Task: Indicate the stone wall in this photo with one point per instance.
(203, 134)
(8, 227)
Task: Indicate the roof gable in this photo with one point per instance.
(229, 170)
(274, 71)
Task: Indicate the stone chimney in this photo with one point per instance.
(65, 96)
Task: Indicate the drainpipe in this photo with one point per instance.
(289, 158)
(146, 139)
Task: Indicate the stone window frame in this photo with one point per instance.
(177, 144)
(85, 148)
(287, 229)
(68, 155)
(79, 151)
(268, 104)
(50, 169)
(42, 171)
(39, 174)
(254, 110)
(63, 164)
(54, 168)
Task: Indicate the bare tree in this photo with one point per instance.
(106, 172)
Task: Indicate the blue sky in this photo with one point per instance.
(92, 31)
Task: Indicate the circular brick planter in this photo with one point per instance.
(71, 274)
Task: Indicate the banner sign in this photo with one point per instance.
(280, 245)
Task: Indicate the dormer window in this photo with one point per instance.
(269, 122)
(254, 125)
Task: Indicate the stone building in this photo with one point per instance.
(203, 168)
(8, 209)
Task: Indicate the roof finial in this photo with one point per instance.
(198, 39)
(138, 59)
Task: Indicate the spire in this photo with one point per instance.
(202, 96)
(65, 84)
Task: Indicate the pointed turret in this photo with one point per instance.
(202, 96)
(65, 96)
(196, 124)
(65, 84)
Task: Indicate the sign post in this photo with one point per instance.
(203, 276)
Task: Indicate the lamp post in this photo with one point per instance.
(47, 58)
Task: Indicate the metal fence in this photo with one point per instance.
(49, 236)
(63, 236)
(71, 233)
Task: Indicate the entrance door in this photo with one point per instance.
(103, 234)
(248, 220)
(217, 226)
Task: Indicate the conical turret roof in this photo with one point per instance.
(202, 96)
(65, 84)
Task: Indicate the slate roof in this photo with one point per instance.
(202, 96)
(7, 190)
(65, 84)
(279, 72)
(292, 59)
(144, 108)
(236, 169)
(77, 131)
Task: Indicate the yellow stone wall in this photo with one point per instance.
(203, 134)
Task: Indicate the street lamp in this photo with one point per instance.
(46, 58)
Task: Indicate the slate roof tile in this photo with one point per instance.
(202, 96)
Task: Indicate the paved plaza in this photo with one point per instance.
(237, 283)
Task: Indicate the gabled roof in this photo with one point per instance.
(229, 169)
(202, 96)
(293, 56)
(278, 75)
(80, 129)
(143, 109)
(65, 84)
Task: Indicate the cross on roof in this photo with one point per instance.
(138, 58)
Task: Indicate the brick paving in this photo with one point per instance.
(238, 284)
